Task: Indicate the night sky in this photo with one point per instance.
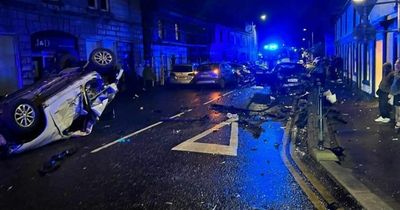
(286, 18)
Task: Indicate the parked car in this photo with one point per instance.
(219, 74)
(182, 74)
(287, 77)
(61, 106)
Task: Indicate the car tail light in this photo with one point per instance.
(216, 71)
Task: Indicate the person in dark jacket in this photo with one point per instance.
(148, 75)
(383, 93)
(395, 91)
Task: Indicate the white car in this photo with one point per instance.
(61, 106)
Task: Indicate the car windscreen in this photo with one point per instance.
(207, 67)
(182, 69)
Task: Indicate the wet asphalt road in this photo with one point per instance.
(142, 172)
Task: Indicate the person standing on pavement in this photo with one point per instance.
(148, 75)
(395, 91)
(383, 93)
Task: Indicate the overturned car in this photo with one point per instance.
(61, 106)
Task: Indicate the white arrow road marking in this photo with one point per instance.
(191, 145)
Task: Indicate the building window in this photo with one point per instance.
(177, 37)
(160, 29)
(92, 4)
(104, 5)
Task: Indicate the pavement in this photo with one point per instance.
(128, 162)
(369, 169)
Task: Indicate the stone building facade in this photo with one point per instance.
(34, 32)
(363, 58)
(173, 38)
(231, 44)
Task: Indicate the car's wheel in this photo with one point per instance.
(222, 83)
(24, 118)
(102, 58)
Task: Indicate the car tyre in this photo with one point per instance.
(102, 58)
(24, 119)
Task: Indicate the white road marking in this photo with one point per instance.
(153, 125)
(180, 114)
(191, 145)
(227, 93)
(212, 100)
(125, 137)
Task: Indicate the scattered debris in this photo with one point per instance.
(10, 188)
(176, 131)
(367, 128)
(141, 108)
(395, 139)
(230, 116)
(258, 87)
(168, 203)
(55, 161)
(107, 126)
(276, 145)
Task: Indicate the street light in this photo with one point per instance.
(304, 29)
(263, 17)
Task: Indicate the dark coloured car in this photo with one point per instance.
(286, 77)
(219, 74)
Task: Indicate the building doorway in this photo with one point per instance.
(9, 77)
(378, 63)
(49, 48)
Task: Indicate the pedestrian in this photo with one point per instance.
(383, 93)
(148, 75)
(395, 91)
